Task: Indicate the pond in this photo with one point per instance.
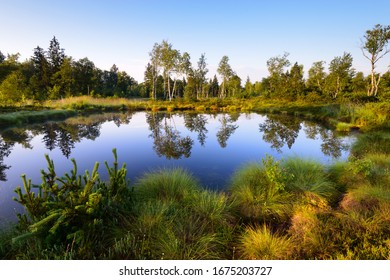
(210, 146)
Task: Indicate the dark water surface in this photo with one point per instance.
(211, 147)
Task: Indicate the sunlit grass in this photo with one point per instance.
(256, 198)
(259, 243)
(178, 220)
(309, 176)
(373, 142)
(170, 184)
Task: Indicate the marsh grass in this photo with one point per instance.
(289, 209)
(28, 117)
(179, 220)
(259, 243)
(175, 184)
(309, 177)
(371, 143)
(256, 198)
(91, 103)
(343, 127)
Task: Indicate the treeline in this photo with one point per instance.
(170, 75)
(285, 81)
(51, 74)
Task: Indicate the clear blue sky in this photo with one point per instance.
(249, 32)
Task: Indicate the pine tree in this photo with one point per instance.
(55, 56)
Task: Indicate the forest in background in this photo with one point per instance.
(51, 75)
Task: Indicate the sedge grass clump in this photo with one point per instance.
(259, 192)
(306, 231)
(212, 207)
(173, 184)
(259, 243)
(189, 239)
(373, 115)
(371, 143)
(308, 176)
(170, 230)
(177, 220)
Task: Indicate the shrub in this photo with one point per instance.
(73, 210)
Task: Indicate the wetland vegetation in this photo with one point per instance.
(275, 208)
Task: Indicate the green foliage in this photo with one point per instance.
(175, 219)
(309, 176)
(275, 175)
(72, 210)
(174, 184)
(258, 192)
(12, 89)
(340, 75)
(371, 142)
(226, 72)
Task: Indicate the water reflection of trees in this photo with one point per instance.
(279, 130)
(5, 150)
(197, 123)
(331, 145)
(167, 140)
(8, 139)
(227, 128)
(62, 135)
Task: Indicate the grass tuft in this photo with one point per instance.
(256, 198)
(309, 176)
(175, 184)
(259, 243)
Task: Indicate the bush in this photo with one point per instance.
(73, 211)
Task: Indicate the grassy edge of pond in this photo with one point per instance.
(341, 116)
(272, 210)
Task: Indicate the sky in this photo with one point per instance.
(249, 32)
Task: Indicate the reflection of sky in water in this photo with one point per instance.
(210, 163)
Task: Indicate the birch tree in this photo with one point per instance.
(340, 74)
(226, 72)
(374, 48)
(155, 57)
